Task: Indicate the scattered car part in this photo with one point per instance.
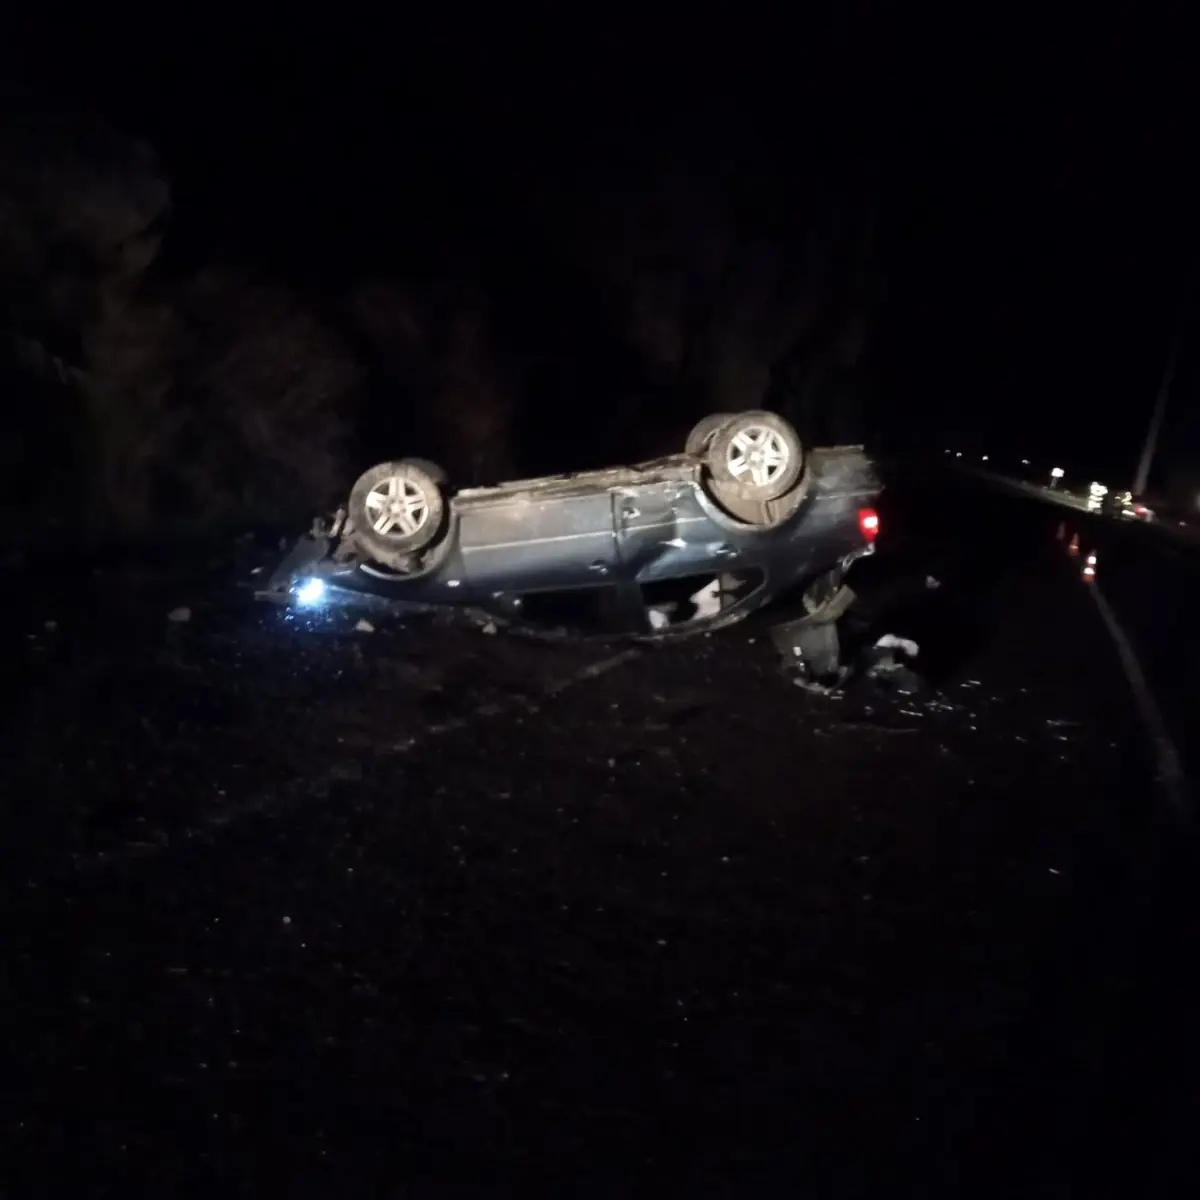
(811, 653)
(890, 641)
(822, 590)
(811, 645)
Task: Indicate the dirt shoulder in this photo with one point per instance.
(313, 907)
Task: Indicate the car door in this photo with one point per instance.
(539, 541)
(664, 533)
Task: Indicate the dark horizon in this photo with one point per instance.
(1031, 190)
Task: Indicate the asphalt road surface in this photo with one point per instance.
(422, 912)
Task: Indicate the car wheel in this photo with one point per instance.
(396, 508)
(702, 433)
(436, 473)
(756, 455)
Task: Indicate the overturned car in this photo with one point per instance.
(679, 544)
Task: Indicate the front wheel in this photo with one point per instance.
(756, 455)
(396, 509)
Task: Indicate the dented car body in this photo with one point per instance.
(649, 549)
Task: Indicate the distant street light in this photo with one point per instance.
(1024, 462)
(985, 458)
(1142, 477)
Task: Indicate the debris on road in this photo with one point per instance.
(890, 641)
(811, 653)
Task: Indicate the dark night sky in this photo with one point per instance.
(1034, 177)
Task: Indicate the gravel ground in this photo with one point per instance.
(424, 912)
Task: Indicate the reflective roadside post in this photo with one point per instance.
(1089, 569)
(1056, 473)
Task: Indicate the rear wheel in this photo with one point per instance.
(397, 508)
(436, 473)
(702, 433)
(756, 455)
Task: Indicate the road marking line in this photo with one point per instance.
(1168, 764)
(163, 840)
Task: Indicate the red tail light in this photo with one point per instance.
(868, 523)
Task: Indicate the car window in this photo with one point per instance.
(583, 611)
(691, 599)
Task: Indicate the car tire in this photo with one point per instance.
(756, 455)
(436, 473)
(702, 433)
(396, 509)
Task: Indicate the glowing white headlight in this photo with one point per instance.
(311, 591)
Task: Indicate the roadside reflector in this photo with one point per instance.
(1073, 545)
(1089, 568)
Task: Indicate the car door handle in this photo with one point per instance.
(629, 513)
(599, 566)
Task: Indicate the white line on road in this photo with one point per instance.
(166, 840)
(1168, 764)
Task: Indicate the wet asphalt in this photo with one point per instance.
(421, 911)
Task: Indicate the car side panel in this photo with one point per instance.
(664, 532)
(527, 542)
(668, 530)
